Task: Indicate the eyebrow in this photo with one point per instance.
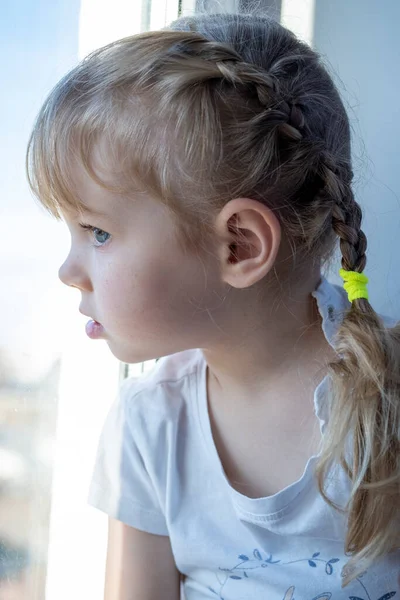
(94, 212)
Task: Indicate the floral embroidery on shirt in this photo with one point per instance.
(242, 570)
(314, 560)
(328, 595)
(248, 564)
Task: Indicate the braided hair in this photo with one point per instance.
(223, 106)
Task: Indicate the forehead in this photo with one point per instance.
(137, 210)
(97, 194)
(103, 194)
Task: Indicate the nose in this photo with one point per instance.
(63, 273)
(72, 273)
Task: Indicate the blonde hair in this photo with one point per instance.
(234, 105)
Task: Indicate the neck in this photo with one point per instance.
(283, 348)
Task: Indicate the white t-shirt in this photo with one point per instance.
(157, 469)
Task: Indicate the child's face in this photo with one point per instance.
(150, 298)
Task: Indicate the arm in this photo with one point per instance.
(140, 565)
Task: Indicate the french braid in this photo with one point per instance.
(216, 61)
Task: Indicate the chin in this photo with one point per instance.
(129, 356)
(121, 355)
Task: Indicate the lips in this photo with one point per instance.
(94, 330)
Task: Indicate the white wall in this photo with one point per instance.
(361, 40)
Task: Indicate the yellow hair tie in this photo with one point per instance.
(355, 284)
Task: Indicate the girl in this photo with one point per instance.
(204, 173)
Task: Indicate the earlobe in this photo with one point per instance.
(250, 235)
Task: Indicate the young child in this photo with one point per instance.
(204, 172)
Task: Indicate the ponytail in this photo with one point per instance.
(365, 410)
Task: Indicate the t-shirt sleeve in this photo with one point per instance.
(120, 484)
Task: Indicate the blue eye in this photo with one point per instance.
(100, 236)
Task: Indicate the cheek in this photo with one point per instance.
(137, 297)
(167, 296)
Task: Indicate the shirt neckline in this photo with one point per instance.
(332, 304)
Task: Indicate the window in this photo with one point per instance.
(55, 384)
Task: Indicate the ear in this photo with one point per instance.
(250, 237)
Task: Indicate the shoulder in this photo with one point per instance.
(156, 407)
(141, 442)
